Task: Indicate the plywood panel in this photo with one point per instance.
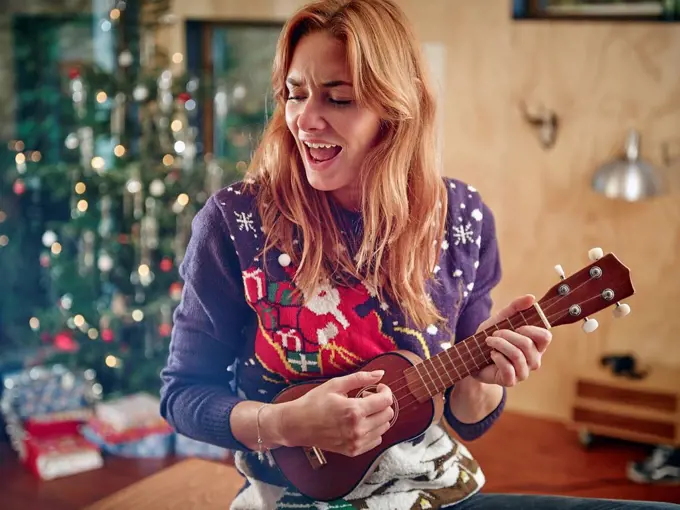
(601, 79)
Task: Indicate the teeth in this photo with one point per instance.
(319, 145)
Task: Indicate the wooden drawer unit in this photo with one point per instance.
(645, 410)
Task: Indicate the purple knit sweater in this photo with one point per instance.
(241, 333)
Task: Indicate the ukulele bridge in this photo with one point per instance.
(315, 457)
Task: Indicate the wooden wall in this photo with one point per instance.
(601, 79)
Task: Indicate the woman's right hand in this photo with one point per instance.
(327, 418)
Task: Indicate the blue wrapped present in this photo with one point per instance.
(153, 445)
(187, 447)
(48, 389)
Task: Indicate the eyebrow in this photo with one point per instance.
(329, 84)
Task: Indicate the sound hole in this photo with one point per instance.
(372, 389)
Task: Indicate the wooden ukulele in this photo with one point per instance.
(418, 385)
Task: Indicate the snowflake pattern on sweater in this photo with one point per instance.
(286, 337)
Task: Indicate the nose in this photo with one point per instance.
(311, 116)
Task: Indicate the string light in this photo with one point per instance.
(82, 205)
(36, 156)
(80, 188)
(111, 361)
(3, 216)
(168, 160)
(143, 270)
(20, 158)
(119, 151)
(97, 162)
(101, 97)
(79, 321)
(177, 58)
(34, 323)
(4, 240)
(176, 125)
(114, 14)
(56, 248)
(137, 315)
(183, 199)
(92, 334)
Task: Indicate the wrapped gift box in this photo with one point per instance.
(56, 457)
(131, 411)
(57, 424)
(149, 441)
(43, 390)
(188, 447)
(45, 401)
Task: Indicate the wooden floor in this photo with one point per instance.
(520, 455)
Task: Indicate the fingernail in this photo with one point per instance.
(378, 373)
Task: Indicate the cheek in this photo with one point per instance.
(367, 132)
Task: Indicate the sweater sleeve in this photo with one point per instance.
(477, 310)
(196, 396)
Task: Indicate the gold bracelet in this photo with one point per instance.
(260, 453)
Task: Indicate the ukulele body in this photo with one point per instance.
(327, 476)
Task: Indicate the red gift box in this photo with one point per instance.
(114, 436)
(57, 424)
(55, 457)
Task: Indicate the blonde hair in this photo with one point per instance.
(404, 199)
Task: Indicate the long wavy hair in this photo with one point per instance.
(403, 196)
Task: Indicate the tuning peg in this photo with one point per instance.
(595, 254)
(560, 271)
(621, 310)
(589, 325)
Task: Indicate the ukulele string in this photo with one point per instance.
(550, 303)
(425, 385)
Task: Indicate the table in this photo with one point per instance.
(189, 484)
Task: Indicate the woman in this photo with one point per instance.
(343, 242)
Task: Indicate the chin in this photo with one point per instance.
(322, 182)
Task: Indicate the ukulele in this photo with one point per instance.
(418, 385)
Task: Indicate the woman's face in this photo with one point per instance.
(332, 132)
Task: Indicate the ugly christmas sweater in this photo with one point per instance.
(240, 332)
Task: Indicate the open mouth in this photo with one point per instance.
(321, 152)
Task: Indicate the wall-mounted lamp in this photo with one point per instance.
(545, 122)
(629, 178)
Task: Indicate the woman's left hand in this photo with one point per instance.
(515, 353)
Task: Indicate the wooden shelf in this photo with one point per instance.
(644, 410)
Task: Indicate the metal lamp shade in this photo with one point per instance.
(629, 179)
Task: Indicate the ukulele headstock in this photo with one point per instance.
(599, 285)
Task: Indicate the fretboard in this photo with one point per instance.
(464, 358)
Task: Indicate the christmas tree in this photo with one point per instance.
(122, 200)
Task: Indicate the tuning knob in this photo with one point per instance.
(589, 325)
(560, 271)
(621, 310)
(595, 254)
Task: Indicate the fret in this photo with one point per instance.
(471, 355)
(462, 354)
(422, 379)
(445, 371)
(523, 318)
(427, 385)
(481, 346)
(439, 371)
(453, 361)
(509, 322)
(435, 388)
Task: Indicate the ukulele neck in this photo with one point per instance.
(438, 373)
